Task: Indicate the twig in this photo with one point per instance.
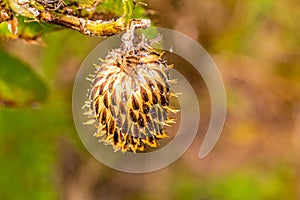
(88, 26)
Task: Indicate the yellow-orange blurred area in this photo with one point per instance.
(256, 46)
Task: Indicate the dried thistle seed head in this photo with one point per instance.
(129, 97)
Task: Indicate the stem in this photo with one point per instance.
(85, 26)
(38, 12)
(128, 6)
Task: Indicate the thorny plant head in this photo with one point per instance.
(129, 99)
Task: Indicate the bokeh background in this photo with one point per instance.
(255, 44)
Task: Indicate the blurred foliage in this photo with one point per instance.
(116, 8)
(18, 83)
(243, 184)
(256, 45)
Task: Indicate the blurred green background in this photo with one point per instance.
(255, 44)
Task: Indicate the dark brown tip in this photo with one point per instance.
(135, 103)
(101, 89)
(154, 98)
(161, 88)
(96, 106)
(111, 129)
(132, 116)
(141, 122)
(105, 100)
(103, 117)
(163, 100)
(116, 137)
(144, 94)
(150, 84)
(146, 108)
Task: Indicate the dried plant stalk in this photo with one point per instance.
(65, 15)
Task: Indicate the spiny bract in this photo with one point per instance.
(129, 97)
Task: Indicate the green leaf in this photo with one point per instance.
(4, 30)
(27, 29)
(116, 7)
(32, 29)
(19, 84)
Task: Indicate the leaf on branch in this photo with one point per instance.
(23, 28)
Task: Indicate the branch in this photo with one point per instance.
(70, 16)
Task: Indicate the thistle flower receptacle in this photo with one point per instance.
(129, 99)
